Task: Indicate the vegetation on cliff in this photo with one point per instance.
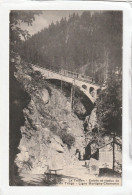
(19, 98)
(109, 105)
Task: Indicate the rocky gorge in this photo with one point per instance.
(53, 129)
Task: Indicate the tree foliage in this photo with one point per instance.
(77, 41)
(109, 105)
(19, 99)
(16, 33)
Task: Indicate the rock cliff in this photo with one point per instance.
(52, 131)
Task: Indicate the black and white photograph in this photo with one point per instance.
(65, 97)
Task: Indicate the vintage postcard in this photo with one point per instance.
(65, 86)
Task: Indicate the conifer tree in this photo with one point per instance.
(109, 105)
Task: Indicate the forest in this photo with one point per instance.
(81, 43)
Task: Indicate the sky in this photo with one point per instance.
(43, 20)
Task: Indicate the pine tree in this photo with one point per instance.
(109, 105)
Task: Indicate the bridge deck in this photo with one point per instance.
(63, 74)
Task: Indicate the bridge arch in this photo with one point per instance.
(91, 89)
(98, 91)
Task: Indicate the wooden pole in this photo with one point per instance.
(61, 83)
(71, 95)
(61, 78)
(113, 152)
(106, 73)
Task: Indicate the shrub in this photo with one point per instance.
(53, 128)
(37, 76)
(67, 139)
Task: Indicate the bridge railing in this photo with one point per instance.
(70, 74)
(76, 76)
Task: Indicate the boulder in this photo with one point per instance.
(79, 108)
(45, 96)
